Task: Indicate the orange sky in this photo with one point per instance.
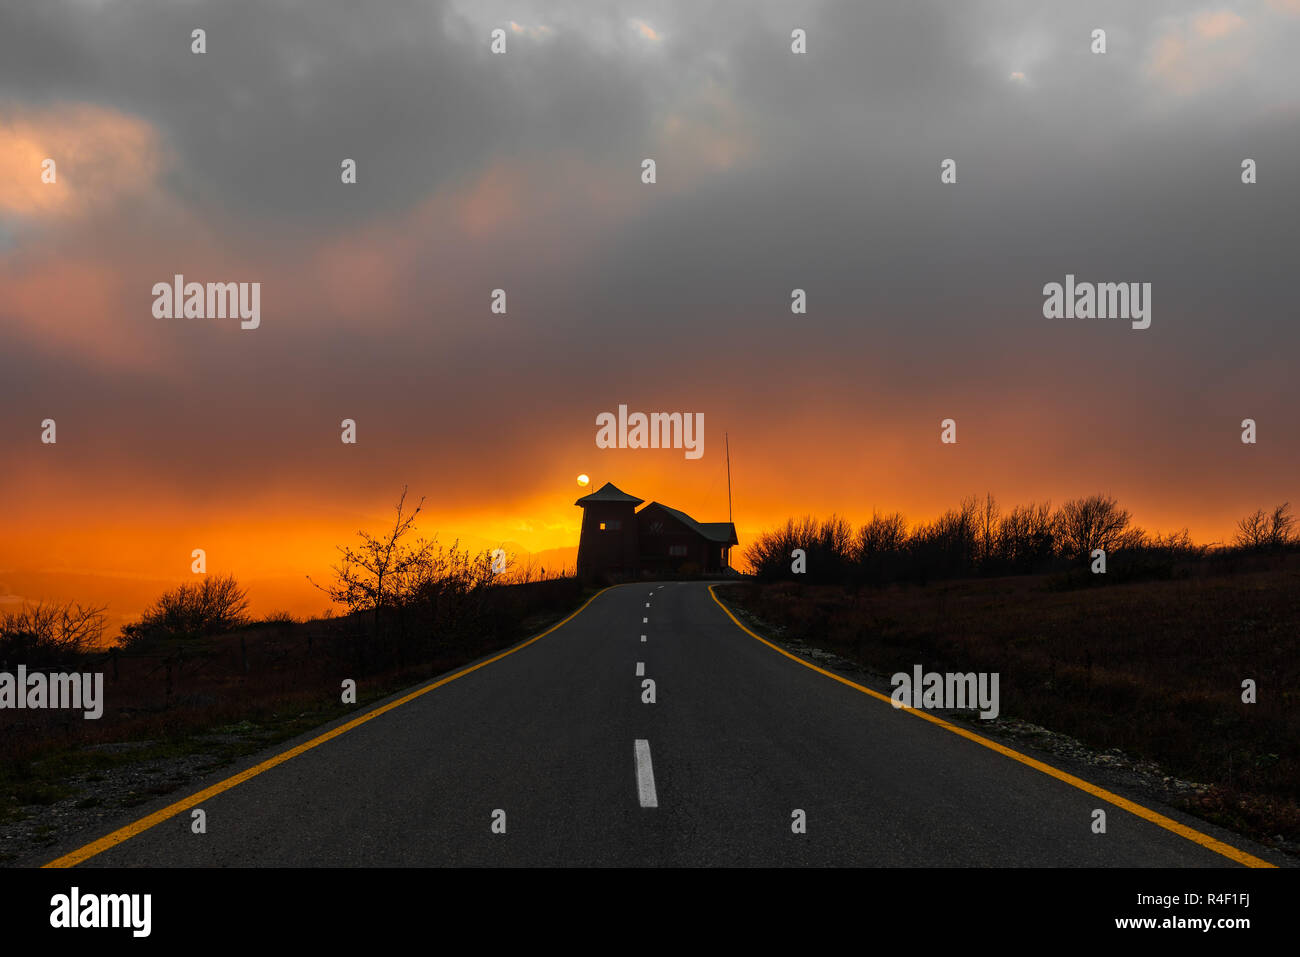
(122, 549)
(524, 173)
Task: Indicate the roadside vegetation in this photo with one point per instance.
(1148, 658)
(197, 675)
(980, 538)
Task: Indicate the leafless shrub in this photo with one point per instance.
(1085, 524)
(1261, 530)
(213, 605)
(49, 631)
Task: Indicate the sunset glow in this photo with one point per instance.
(377, 296)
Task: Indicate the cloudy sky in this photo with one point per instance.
(522, 171)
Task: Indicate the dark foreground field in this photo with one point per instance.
(1153, 668)
(178, 708)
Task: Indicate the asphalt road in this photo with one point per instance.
(737, 739)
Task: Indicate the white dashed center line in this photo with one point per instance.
(640, 668)
(645, 775)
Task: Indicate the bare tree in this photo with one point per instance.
(381, 569)
(1027, 535)
(828, 546)
(987, 528)
(50, 629)
(1175, 544)
(215, 604)
(883, 535)
(1279, 526)
(769, 553)
(1089, 523)
(1252, 531)
(950, 544)
(1262, 529)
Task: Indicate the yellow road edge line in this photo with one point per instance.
(1169, 824)
(123, 834)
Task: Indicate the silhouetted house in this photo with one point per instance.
(617, 540)
(608, 542)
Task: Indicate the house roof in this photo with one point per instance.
(608, 492)
(723, 533)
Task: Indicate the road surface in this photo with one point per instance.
(556, 745)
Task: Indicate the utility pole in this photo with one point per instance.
(727, 439)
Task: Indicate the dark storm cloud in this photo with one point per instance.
(1097, 165)
(775, 171)
(286, 91)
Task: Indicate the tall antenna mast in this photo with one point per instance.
(727, 438)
